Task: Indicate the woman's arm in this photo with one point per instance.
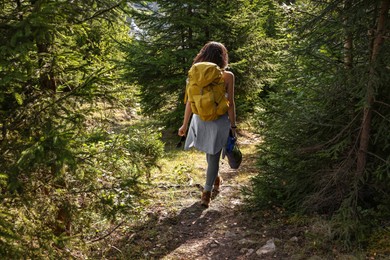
(187, 115)
(229, 83)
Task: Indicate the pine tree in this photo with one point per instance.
(61, 168)
(325, 148)
(170, 34)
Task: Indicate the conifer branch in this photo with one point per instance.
(100, 12)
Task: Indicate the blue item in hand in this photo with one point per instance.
(230, 143)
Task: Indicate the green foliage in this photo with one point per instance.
(255, 41)
(64, 168)
(170, 34)
(312, 122)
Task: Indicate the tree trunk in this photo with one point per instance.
(207, 28)
(190, 40)
(378, 39)
(348, 41)
(46, 79)
(46, 75)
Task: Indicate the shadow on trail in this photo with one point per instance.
(159, 236)
(166, 235)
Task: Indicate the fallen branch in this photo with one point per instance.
(106, 235)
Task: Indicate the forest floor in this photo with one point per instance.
(176, 226)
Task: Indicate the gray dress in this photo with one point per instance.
(208, 136)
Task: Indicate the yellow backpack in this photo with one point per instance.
(206, 91)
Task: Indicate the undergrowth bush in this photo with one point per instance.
(67, 187)
(312, 126)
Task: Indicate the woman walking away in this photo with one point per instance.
(210, 97)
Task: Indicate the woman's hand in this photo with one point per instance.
(233, 129)
(187, 114)
(182, 130)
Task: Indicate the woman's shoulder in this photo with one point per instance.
(227, 72)
(228, 75)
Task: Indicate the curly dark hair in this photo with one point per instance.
(214, 52)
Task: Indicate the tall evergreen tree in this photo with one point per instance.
(169, 35)
(326, 148)
(61, 168)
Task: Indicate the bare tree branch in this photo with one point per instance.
(106, 235)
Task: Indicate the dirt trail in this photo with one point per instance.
(223, 231)
(178, 227)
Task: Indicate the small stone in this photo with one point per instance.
(246, 241)
(294, 239)
(269, 247)
(229, 234)
(250, 251)
(243, 250)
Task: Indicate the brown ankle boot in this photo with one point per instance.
(206, 197)
(217, 184)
